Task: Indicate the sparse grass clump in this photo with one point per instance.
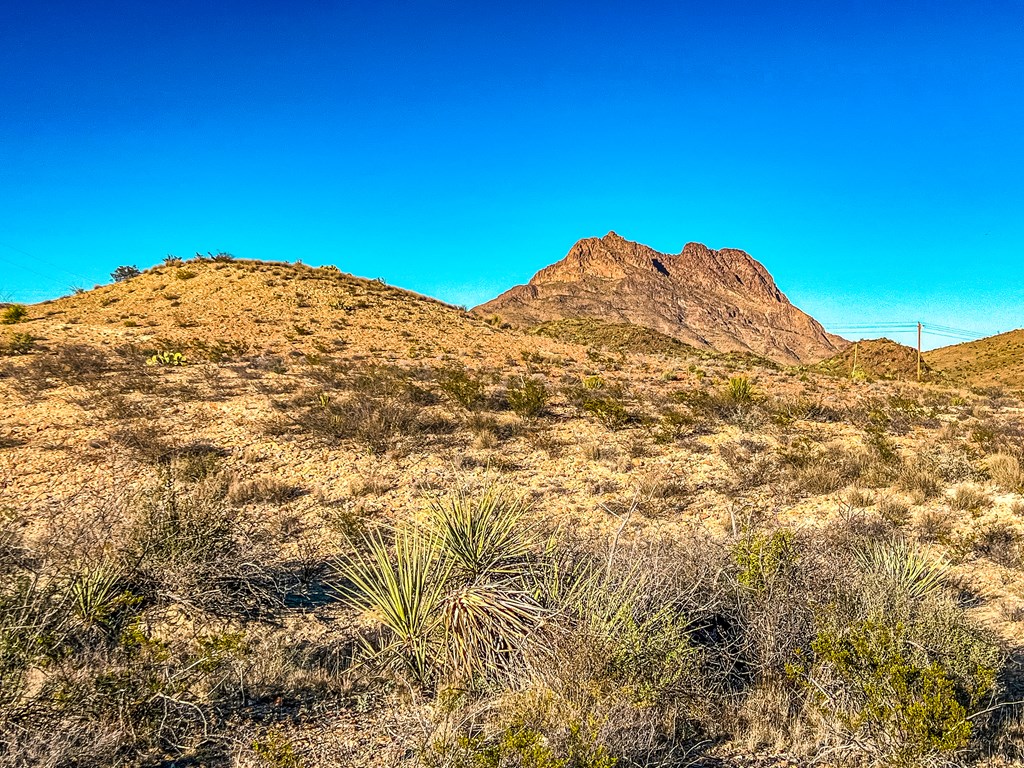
(1006, 472)
(1002, 543)
(267, 490)
(894, 510)
(820, 469)
(378, 407)
(967, 498)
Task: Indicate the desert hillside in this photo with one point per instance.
(719, 300)
(994, 361)
(263, 514)
(877, 359)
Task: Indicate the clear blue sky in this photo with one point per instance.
(870, 154)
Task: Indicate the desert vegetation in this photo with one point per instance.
(474, 547)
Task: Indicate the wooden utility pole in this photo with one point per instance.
(919, 351)
(853, 371)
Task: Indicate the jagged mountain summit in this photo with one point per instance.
(722, 300)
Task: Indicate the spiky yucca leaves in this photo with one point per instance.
(482, 534)
(904, 567)
(97, 594)
(455, 600)
(487, 626)
(403, 585)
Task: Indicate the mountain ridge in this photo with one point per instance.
(714, 299)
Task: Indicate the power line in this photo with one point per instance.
(40, 260)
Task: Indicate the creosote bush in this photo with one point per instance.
(604, 402)
(461, 387)
(125, 272)
(527, 396)
(18, 344)
(13, 314)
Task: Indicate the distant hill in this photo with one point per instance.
(995, 360)
(877, 359)
(722, 300)
(207, 308)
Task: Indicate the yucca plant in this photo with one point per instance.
(904, 567)
(403, 586)
(481, 534)
(453, 599)
(486, 624)
(97, 593)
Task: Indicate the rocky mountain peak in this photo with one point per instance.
(719, 299)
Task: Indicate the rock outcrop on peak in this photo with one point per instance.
(713, 299)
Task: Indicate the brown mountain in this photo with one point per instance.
(722, 300)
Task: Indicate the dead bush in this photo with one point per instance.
(266, 490)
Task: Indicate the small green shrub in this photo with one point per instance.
(673, 425)
(522, 746)
(740, 390)
(603, 402)
(167, 357)
(461, 387)
(904, 708)
(18, 344)
(276, 750)
(13, 314)
(762, 558)
(608, 410)
(528, 397)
